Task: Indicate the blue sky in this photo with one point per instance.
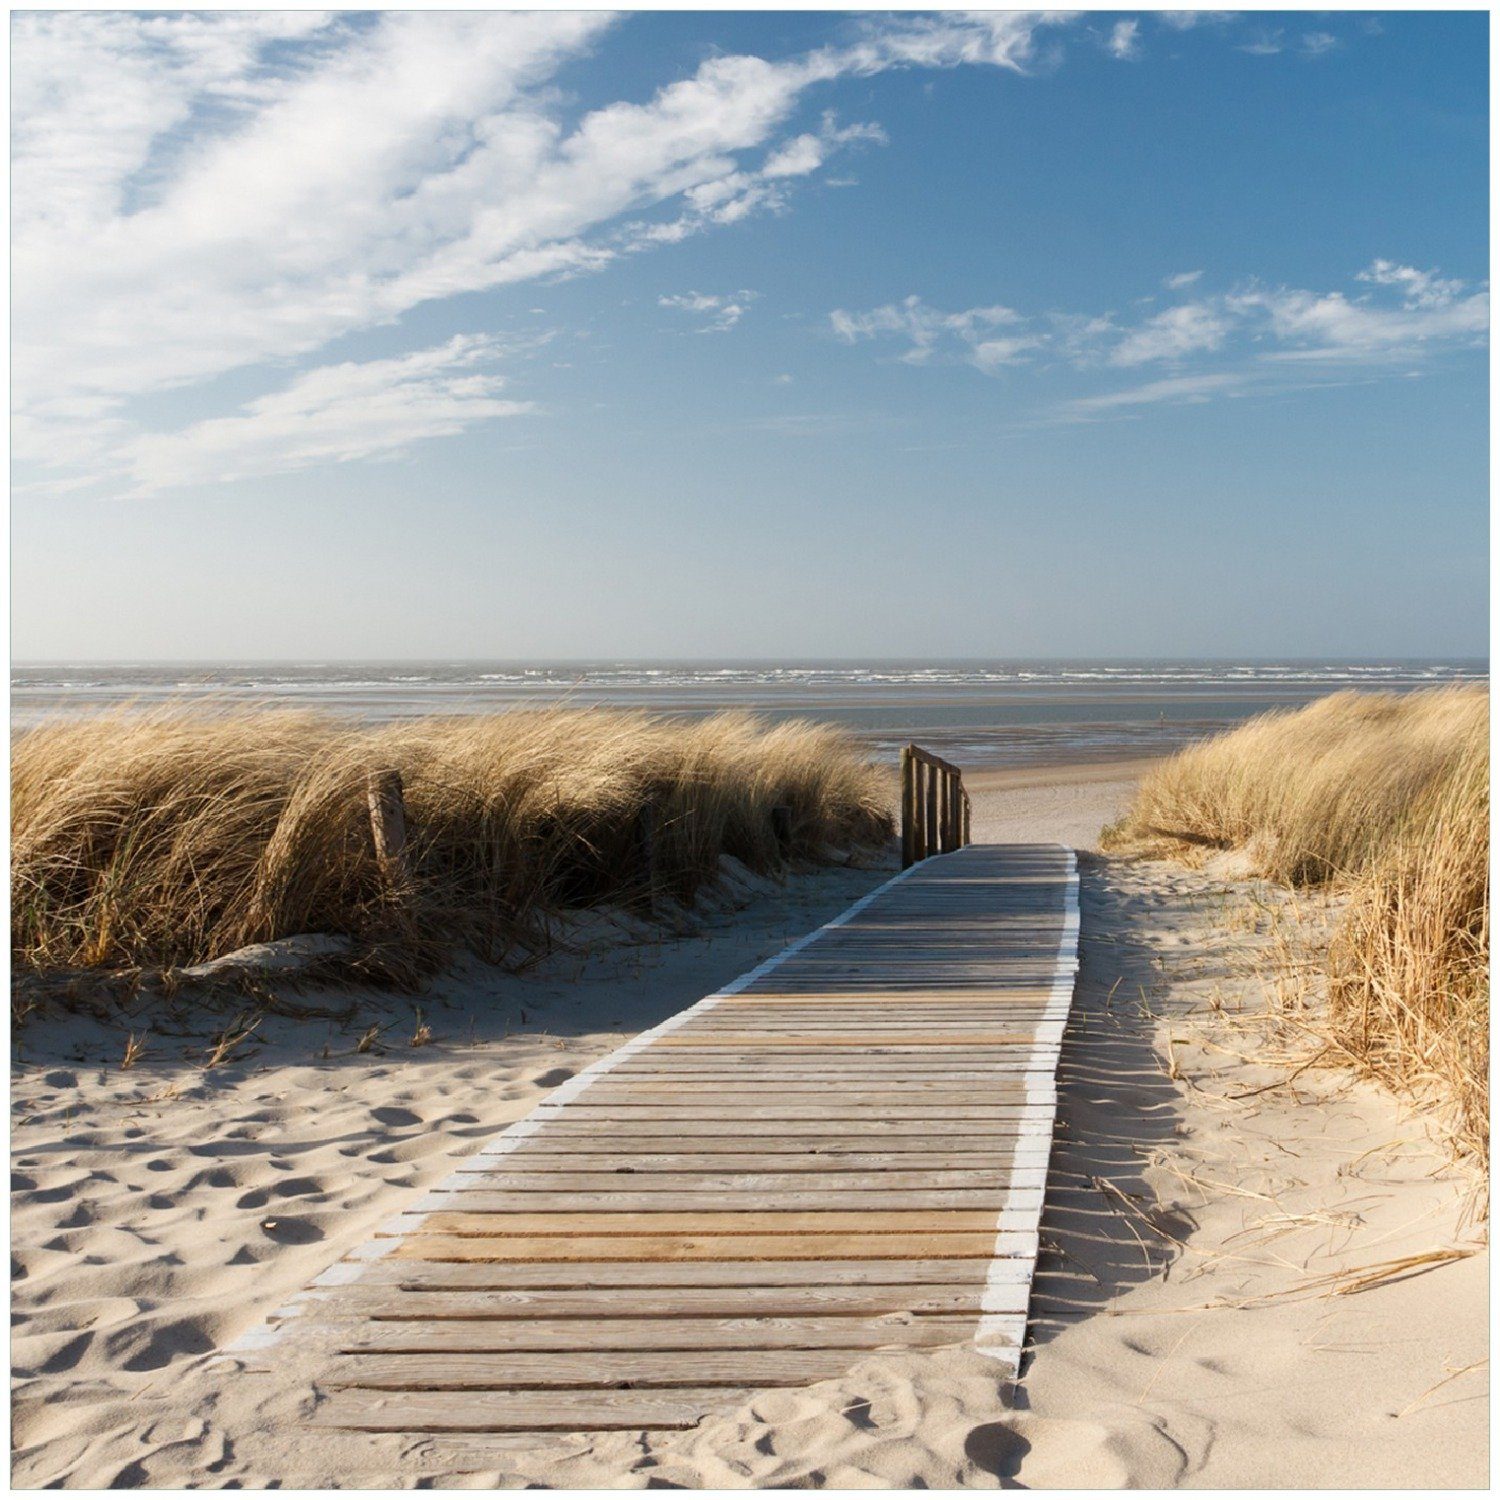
(467, 335)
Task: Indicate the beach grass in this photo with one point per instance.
(169, 837)
(1384, 799)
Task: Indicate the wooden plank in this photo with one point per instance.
(426, 1277)
(1021, 1152)
(897, 1091)
(657, 1202)
(783, 1041)
(951, 1221)
(852, 1246)
(1001, 1111)
(876, 998)
(990, 1142)
(1034, 1122)
(589, 1369)
(425, 1335)
(637, 1180)
(675, 1305)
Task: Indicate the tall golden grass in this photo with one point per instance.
(1385, 798)
(171, 837)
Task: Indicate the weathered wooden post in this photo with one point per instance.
(908, 808)
(388, 828)
(930, 832)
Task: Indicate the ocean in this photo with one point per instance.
(978, 713)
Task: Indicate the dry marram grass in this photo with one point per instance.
(146, 839)
(1385, 799)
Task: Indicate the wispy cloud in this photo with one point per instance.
(805, 153)
(1186, 20)
(333, 414)
(1124, 40)
(1215, 344)
(717, 314)
(200, 193)
(1174, 389)
(1265, 42)
(1175, 283)
(976, 331)
(1316, 43)
(1172, 335)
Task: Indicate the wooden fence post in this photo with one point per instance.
(936, 810)
(388, 827)
(930, 820)
(908, 808)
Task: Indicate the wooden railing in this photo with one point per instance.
(935, 808)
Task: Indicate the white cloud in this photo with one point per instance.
(1215, 344)
(1173, 334)
(806, 153)
(1125, 40)
(1265, 43)
(927, 328)
(1176, 389)
(199, 193)
(1333, 326)
(1181, 279)
(333, 414)
(719, 313)
(1186, 20)
(1316, 43)
(1419, 288)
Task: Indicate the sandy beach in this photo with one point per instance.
(1198, 1316)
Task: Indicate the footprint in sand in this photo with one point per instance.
(292, 1231)
(391, 1116)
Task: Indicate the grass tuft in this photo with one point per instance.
(171, 837)
(1384, 799)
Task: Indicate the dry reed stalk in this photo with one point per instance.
(1383, 799)
(171, 837)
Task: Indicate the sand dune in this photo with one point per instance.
(160, 1212)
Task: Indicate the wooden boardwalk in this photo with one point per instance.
(844, 1151)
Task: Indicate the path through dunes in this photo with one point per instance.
(844, 1151)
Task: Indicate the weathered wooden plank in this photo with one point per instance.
(852, 1246)
(1021, 1153)
(589, 1369)
(659, 1202)
(951, 1221)
(785, 1041)
(427, 1277)
(633, 1095)
(994, 1175)
(838, 1108)
(675, 1305)
(775, 1138)
(426, 1335)
(1036, 1122)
